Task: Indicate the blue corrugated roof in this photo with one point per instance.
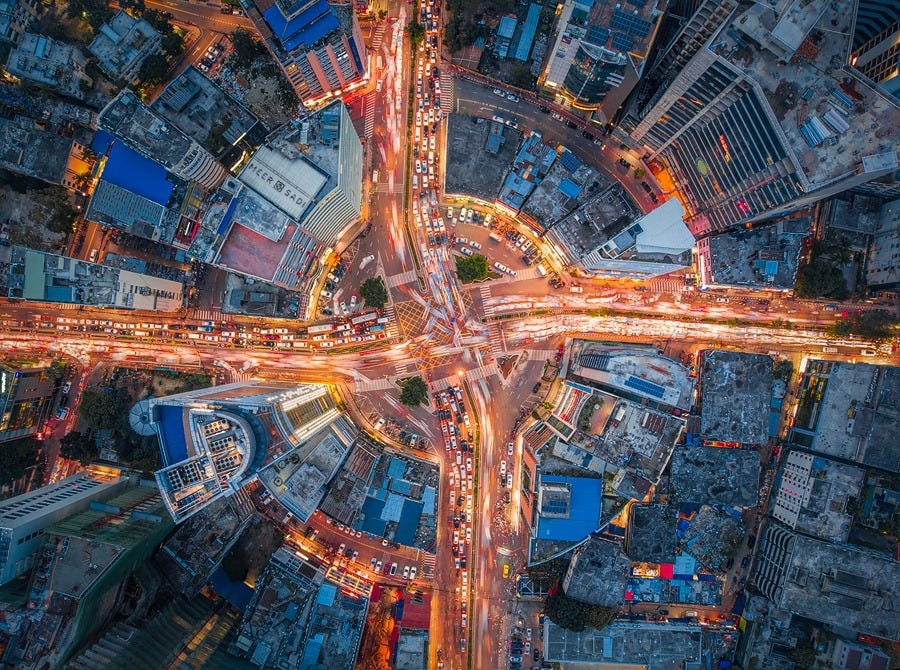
(397, 468)
(307, 27)
(127, 169)
(527, 37)
(584, 510)
(569, 188)
(569, 161)
(409, 522)
(174, 444)
(507, 27)
(226, 220)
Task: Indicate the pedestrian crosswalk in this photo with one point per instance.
(407, 277)
(482, 372)
(365, 385)
(405, 368)
(208, 315)
(369, 102)
(668, 285)
(428, 564)
(495, 340)
(378, 37)
(485, 291)
(67, 305)
(447, 99)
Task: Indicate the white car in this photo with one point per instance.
(509, 449)
(344, 310)
(418, 167)
(469, 215)
(499, 92)
(353, 301)
(474, 245)
(450, 213)
(406, 572)
(365, 261)
(469, 464)
(412, 573)
(502, 468)
(431, 143)
(462, 214)
(465, 251)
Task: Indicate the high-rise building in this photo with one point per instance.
(26, 394)
(764, 120)
(24, 518)
(883, 260)
(215, 440)
(600, 52)
(15, 16)
(876, 43)
(130, 120)
(318, 44)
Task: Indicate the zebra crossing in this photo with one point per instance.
(378, 37)
(208, 315)
(405, 368)
(67, 305)
(447, 96)
(365, 385)
(483, 371)
(407, 277)
(369, 102)
(428, 564)
(495, 340)
(485, 291)
(668, 285)
(392, 329)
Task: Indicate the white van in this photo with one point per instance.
(430, 157)
(93, 257)
(541, 270)
(415, 181)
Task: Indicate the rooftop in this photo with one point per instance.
(582, 231)
(712, 537)
(35, 275)
(856, 416)
(470, 169)
(710, 475)
(598, 574)
(632, 372)
(800, 70)
(205, 112)
(653, 646)
(28, 148)
(569, 507)
(651, 533)
(837, 584)
(761, 257)
(45, 61)
(813, 493)
(123, 43)
(567, 186)
(735, 394)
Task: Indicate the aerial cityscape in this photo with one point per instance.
(426, 335)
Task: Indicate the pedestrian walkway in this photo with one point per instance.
(495, 340)
(405, 368)
(208, 315)
(486, 300)
(369, 102)
(447, 93)
(393, 328)
(407, 277)
(483, 371)
(365, 385)
(428, 564)
(668, 285)
(539, 354)
(68, 305)
(378, 37)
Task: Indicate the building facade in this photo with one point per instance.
(26, 395)
(122, 45)
(876, 43)
(15, 16)
(318, 44)
(23, 518)
(45, 61)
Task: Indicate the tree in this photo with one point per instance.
(246, 47)
(414, 393)
(871, 325)
(159, 20)
(16, 457)
(107, 409)
(472, 268)
(373, 292)
(520, 75)
(639, 172)
(416, 32)
(173, 43)
(154, 69)
(77, 447)
(822, 276)
(575, 615)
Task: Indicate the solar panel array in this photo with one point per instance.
(643, 385)
(555, 506)
(622, 42)
(629, 23)
(569, 161)
(598, 35)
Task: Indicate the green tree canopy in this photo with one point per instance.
(414, 393)
(822, 276)
(107, 409)
(520, 75)
(77, 447)
(246, 47)
(575, 615)
(373, 292)
(870, 325)
(416, 32)
(154, 69)
(17, 456)
(472, 268)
